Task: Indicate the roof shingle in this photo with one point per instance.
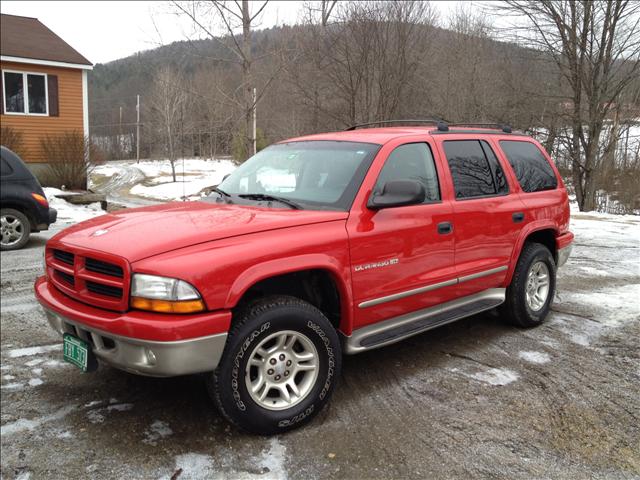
(27, 37)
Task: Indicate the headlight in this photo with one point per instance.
(162, 294)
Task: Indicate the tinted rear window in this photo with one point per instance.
(475, 169)
(530, 166)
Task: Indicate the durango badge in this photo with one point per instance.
(100, 232)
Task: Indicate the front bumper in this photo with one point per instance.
(146, 357)
(145, 343)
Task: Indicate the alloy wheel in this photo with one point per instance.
(282, 370)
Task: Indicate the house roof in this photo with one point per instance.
(28, 38)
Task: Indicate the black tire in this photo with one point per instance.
(516, 309)
(255, 324)
(24, 228)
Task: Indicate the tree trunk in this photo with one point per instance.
(247, 79)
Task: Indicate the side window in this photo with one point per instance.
(5, 168)
(412, 161)
(530, 166)
(475, 169)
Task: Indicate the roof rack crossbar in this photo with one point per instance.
(497, 126)
(440, 124)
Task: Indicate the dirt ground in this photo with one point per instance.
(474, 399)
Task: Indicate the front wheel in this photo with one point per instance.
(279, 368)
(15, 229)
(532, 287)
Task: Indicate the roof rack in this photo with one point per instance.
(440, 124)
(493, 126)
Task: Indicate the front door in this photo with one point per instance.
(402, 258)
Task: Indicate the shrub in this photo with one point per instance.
(12, 139)
(71, 157)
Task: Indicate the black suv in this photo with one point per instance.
(23, 205)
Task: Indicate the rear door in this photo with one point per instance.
(400, 262)
(488, 214)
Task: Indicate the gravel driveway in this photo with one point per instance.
(471, 399)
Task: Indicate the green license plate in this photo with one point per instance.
(76, 351)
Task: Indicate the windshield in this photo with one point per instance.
(314, 174)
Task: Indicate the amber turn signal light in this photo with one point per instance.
(166, 306)
(40, 199)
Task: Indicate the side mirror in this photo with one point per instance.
(398, 193)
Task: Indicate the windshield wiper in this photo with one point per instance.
(267, 197)
(222, 193)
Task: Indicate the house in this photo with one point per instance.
(43, 85)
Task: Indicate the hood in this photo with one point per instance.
(143, 232)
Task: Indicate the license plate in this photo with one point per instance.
(77, 352)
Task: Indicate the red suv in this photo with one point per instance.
(316, 246)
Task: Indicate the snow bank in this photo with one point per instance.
(69, 213)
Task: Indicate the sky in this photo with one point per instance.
(105, 31)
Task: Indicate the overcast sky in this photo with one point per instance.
(105, 31)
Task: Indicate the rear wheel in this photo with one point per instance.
(279, 368)
(15, 228)
(532, 287)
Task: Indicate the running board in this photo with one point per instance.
(399, 328)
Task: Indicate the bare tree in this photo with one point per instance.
(233, 15)
(167, 102)
(595, 45)
(360, 66)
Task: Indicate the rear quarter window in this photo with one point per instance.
(530, 166)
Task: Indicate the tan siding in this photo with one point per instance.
(33, 128)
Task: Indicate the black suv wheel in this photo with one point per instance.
(532, 287)
(15, 228)
(279, 367)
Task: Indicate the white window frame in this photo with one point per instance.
(25, 88)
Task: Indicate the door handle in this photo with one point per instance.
(445, 228)
(518, 217)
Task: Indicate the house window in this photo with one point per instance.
(25, 93)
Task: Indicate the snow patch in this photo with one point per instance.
(535, 357)
(98, 416)
(24, 475)
(270, 465)
(195, 466)
(274, 459)
(8, 377)
(37, 371)
(23, 424)
(157, 431)
(496, 376)
(29, 351)
(192, 175)
(13, 386)
(34, 362)
(35, 382)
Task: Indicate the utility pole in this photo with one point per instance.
(254, 122)
(120, 134)
(137, 128)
